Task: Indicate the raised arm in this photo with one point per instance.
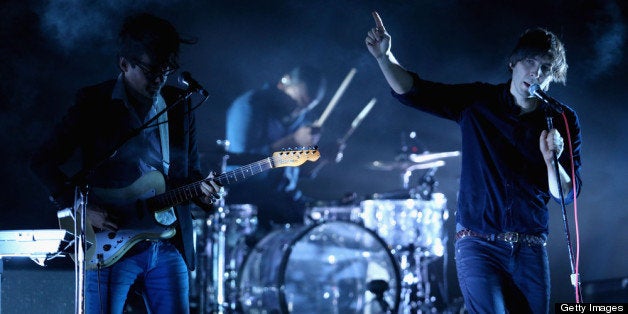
(378, 42)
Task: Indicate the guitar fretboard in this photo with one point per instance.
(193, 190)
(244, 172)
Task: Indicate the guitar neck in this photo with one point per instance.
(244, 172)
(193, 190)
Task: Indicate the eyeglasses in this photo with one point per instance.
(152, 73)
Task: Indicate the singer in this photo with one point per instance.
(103, 117)
(507, 176)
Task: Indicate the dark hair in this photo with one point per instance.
(314, 81)
(541, 42)
(145, 33)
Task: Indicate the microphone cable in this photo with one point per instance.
(576, 276)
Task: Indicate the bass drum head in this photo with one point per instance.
(323, 268)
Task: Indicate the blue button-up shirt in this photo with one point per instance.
(504, 184)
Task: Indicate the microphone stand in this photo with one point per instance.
(575, 278)
(80, 241)
(80, 182)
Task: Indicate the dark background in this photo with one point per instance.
(51, 48)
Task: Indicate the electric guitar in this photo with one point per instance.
(144, 210)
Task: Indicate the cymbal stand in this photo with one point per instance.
(198, 277)
(415, 285)
(221, 275)
(218, 247)
(218, 231)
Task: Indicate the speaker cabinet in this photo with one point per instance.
(28, 288)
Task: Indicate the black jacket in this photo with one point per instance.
(95, 124)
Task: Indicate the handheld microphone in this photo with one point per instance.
(186, 80)
(535, 90)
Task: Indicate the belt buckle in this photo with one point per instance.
(511, 237)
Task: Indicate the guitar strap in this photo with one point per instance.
(160, 104)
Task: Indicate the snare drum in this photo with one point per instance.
(321, 268)
(410, 221)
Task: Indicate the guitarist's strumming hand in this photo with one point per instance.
(212, 190)
(99, 218)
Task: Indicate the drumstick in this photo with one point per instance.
(342, 142)
(363, 113)
(334, 100)
(359, 119)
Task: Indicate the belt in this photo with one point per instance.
(510, 237)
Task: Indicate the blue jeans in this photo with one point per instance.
(502, 277)
(159, 267)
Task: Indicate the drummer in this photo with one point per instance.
(265, 120)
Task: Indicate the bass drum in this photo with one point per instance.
(321, 268)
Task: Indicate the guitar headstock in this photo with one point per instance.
(295, 157)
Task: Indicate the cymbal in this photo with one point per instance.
(427, 156)
(404, 165)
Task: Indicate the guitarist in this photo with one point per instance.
(101, 117)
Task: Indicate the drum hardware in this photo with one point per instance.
(408, 221)
(403, 165)
(412, 161)
(320, 268)
(408, 163)
(427, 156)
(320, 214)
(278, 272)
(226, 232)
(425, 187)
(341, 261)
(217, 247)
(378, 287)
(198, 276)
(416, 288)
(413, 229)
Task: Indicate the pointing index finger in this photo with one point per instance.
(378, 21)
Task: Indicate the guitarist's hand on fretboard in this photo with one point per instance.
(99, 218)
(212, 191)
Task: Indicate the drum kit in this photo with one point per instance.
(361, 256)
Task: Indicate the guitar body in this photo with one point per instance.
(144, 210)
(136, 221)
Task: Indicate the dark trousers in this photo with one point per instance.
(502, 277)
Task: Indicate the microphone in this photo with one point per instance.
(535, 90)
(186, 80)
